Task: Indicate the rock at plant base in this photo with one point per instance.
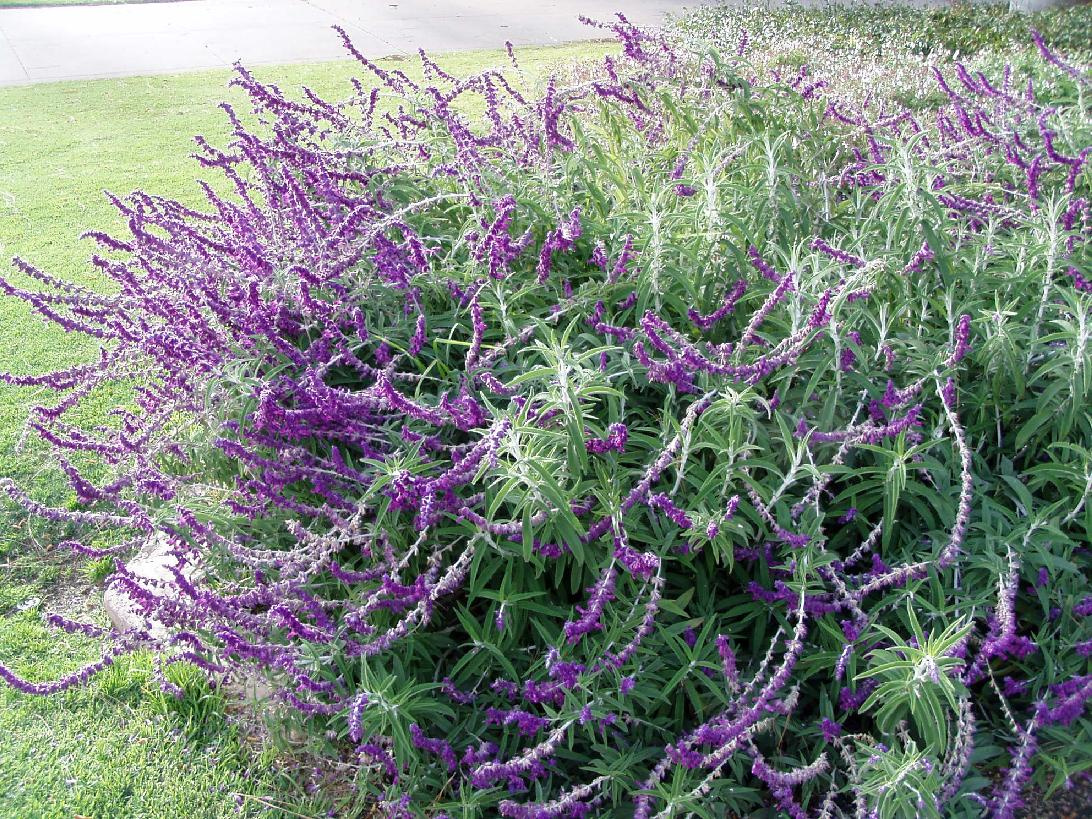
(256, 690)
(154, 562)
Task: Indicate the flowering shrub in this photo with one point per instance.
(887, 52)
(954, 30)
(674, 441)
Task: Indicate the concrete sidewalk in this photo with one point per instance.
(84, 42)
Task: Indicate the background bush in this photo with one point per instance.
(885, 52)
(959, 30)
(675, 441)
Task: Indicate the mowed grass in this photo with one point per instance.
(117, 748)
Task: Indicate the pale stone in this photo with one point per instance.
(256, 690)
(154, 562)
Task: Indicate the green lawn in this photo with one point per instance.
(116, 749)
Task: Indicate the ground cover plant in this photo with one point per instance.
(679, 441)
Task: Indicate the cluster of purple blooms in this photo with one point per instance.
(617, 435)
(407, 461)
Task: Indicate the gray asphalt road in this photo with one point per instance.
(84, 42)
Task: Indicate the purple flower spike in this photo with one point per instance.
(962, 341)
(590, 615)
(761, 265)
(837, 255)
(830, 729)
(664, 504)
(433, 746)
(726, 308)
(617, 435)
(1079, 281)
(419, 337)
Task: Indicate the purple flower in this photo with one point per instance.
(819, 316)
(438, 747)
(837, 255)
(830, 729)
(1014, 688)
(728, 661)
(732, 507)
(356, 715)
(948, 394)
(793, 539)
(526, 723)
(728, 306)
(1053, 58)
(1079, 281)
(419, 337)
(590, 615)
(851, 630)
(559, 240)
(850, 700)
(962, 341)
(761, 266)
(617, 435)
(666, 505)
(640, 564)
